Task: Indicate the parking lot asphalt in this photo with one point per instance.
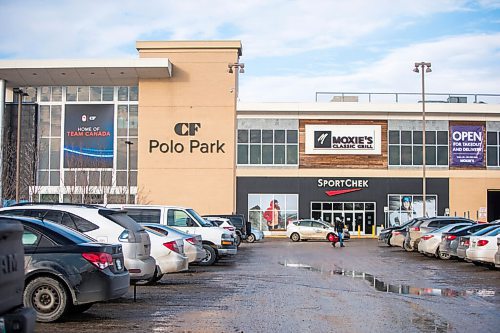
(280, 286)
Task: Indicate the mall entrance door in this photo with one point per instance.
(493, 205)
(356, 214)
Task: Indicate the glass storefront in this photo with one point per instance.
(357, 215)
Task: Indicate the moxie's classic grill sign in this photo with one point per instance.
(343, 139)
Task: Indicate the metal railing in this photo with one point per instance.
(402, 97)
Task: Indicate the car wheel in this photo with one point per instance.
(237, 240)
(156, 277)
(251, 238)
(295, 237)
(210, 256)
(48, 297)
(444, 256)
(407, 247)
(477, 263)
(75, 309)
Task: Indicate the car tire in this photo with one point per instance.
(48, 297)
(407, 247)
(295, 237)
(251, 238)
(210, 256)
(237, 240)
(80, 308)
(477, 263)
(156, 277)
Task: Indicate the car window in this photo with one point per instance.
(178, 218)
(494, 232)
(67, 221)
(198, 218)
(14, 212)
(30, 238)
(144, 215)
(434, 224)
(306, 223)
(121, 219)
(54, 216)
(36, 213)
(484, 231)
(157, 229)
(82, 224)
(318, 225)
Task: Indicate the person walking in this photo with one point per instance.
(339, 228)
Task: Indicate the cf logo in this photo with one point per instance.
(186, 129)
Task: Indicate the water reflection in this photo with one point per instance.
(380, 285)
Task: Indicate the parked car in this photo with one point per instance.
(193, 246)
(482, 249)
(450, 239)
(225, 224)
(255, 235)
(386, 234)
(430, 242)
(400, 234)
(217, 241)
(67, 271)
(103, 224)
(13, 316)
(429, 224)
(168, 252)
(309, 229)
(464, 241)
(243, 227)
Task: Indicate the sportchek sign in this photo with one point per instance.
(343, 139)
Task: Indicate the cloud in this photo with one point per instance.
(461, 64)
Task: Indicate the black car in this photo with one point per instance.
(67, 271)
(386, 234)
(243, 228)
(450, 240)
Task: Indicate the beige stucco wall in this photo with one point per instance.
(470, 194)
(200, 91)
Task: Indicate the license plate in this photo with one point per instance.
(119, 265)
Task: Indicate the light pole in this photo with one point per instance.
(20, 93)
(424, 67)
(128, 143)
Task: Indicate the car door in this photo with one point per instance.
(30, 239)
(319, 230)
(181, 220)
(305, 229)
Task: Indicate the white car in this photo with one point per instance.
(482, 249)
(223, 223)
(308, 229)
(255, 235)
(429, 242)
(217, 241)
(104, 225)
(193, 246)
(168, 252)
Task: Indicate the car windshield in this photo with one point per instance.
(122, 219)
(199, 218)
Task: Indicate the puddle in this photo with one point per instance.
(402, 289)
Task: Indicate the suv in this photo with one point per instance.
(103, 224)
(416, 231)
(13, 316)
(217, 242)
(243, 228)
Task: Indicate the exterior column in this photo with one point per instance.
(3, 87)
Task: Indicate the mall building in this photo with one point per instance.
(167, 128)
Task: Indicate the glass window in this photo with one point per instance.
(406, 155)
(255, 136)
(417, 137)
(43, 178)
(55, 178)
(95, 94)
(82, 224)
(56, 94)
(279, 154)
(279, 136)
(30, 238)
(255, 157)
(267, 154)
(442, 138)
(272, 211)
(292, 136)
(406, 137)
(83, 93)
(134, 93)
(242, 154)
(107, 94)
(242, 136)
(492, 148)
(417, 155)
(133, 120)
(71, 94)
(430, 155)
(492, 153)
(178, 218)
(123, 93)
(55, 120)
(55, 153)
(393, 137)
(44, 122)
(430, 137)
(122, 120)
(145, 215)
(291, 154)
(45, 94)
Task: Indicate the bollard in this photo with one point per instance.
(373, 231)
(359, 231)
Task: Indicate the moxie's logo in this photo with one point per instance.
(322, 139)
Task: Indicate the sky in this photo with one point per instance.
(291, 49)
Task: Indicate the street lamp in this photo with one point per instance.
(424, 67)
(128, 143)
(20, 93)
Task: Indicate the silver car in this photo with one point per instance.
(309, 229)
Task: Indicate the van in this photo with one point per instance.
(217, 242)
